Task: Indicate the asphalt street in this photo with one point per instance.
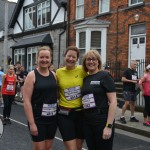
(16, 136)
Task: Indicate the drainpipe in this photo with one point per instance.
(68, 17)
(60, 38)
(116, 41)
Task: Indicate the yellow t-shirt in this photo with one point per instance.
(70, 83)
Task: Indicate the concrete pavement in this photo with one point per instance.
(135, 127)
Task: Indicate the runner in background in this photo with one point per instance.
(8, 93)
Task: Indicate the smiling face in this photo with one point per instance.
(44, 58)
(92, 63)
(71, 59)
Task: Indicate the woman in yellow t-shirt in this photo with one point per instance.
(70, 113)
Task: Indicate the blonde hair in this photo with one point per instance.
(96, 54)
(44, 48)
(10, 66)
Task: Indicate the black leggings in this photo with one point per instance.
(8, 99)
(94, 140)
(147, 106)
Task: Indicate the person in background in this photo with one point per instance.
(40, 101)
(61, 66)
(1, 75)
(17, 72)
(107, 68)
(21, 77)
(70, 111)
(99, 103)
(8, 93)
(35, 66)
(129, 79)
(144, 84)
(52, 68)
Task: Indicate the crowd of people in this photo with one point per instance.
(79, 100)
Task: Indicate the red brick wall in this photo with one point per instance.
(125, 19)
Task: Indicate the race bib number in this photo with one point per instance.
(72, 93)
(10, 87)
(49, 109)
(134, 77)
(88, 101)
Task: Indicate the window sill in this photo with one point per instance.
(135, 6)
(103, 14)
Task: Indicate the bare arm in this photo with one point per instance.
(111, 114)
(27, 94)
(140, 84)
(124, 79)
(3, 79)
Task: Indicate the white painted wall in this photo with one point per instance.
(54, 8)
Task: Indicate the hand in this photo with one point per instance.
(107, 132)
(33, 129)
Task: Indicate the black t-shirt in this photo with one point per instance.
(130, 75)
(97, 85)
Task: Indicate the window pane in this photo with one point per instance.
(104, 5)
(79, 9)
(80, 2)
(142, 40)
(81, 53)
(96, 39)
(136, 1)
(134, 41)
(82, 40)
(138, 29)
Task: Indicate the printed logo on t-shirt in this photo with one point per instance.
(95, 83)
(134, 77)
(72, 93)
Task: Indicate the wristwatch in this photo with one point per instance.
(109, 125)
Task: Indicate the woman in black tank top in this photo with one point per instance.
(40, 101)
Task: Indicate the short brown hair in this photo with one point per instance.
(95, 53)
(73, 48)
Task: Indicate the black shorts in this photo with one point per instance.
(71, 126)
(129, 96)
(45, 132)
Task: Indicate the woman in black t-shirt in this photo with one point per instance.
(99, 102)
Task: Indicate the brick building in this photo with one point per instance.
(118, 29)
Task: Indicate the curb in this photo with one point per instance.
(132, 129)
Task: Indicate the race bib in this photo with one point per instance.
(49, 110)
(88, 101)
(134, 77)
(10, 87)
(72, 93)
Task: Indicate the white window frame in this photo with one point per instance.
(40, 12)
(137, 2)
(79, 5)
(104, 6)
(88, 39)
(29, 23)
(31, 51)
(19, 55)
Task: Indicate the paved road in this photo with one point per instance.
(16, 136)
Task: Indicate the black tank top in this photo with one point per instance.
(44, 92)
